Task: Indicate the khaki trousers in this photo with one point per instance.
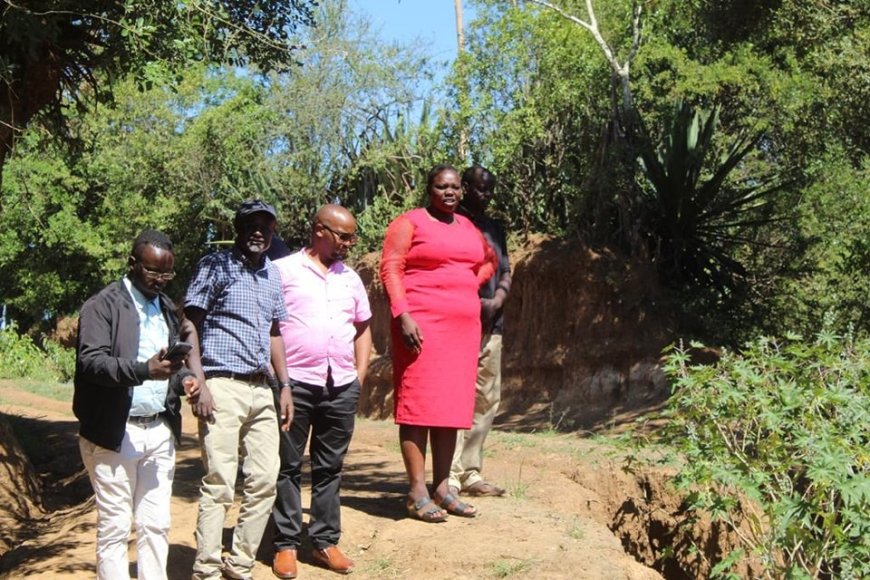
(468, 457)
(245, 427)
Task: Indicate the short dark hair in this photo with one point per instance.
(433, 173)
(477, 170)
(150, 238)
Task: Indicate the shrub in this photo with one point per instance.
(21, 358)
(373, 221)
(776, 436)
(62, 360)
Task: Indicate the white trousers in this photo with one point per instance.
(133, 486)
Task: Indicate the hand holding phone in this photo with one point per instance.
(177, 351)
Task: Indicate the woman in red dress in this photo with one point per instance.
(433, 263)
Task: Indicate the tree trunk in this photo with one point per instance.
(460, 32)
(25, 96)
(460, 48)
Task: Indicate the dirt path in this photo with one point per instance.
(552, 524)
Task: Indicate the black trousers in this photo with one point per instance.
(328, 414)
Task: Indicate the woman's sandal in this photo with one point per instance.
(457, 507)
(424, 509)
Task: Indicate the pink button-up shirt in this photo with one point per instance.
(323, 309)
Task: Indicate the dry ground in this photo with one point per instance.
(553, 524)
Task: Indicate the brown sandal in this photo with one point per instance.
(483, 488)
(424, 509)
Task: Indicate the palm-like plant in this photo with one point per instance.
(697, 210)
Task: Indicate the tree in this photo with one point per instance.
(621, 71)
(69, 49)
(181, 160)
(537, 95)
(798, 72)
(544, 88)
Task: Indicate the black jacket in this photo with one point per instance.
(107, 369)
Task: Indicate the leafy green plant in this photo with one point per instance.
(699, 208)
(20, 358)
(776, 444)
(373, 221)
(62, 360)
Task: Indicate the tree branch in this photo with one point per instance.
(620, 71)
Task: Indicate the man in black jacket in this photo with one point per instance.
(127, 401)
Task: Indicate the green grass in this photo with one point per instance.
(48, 389)
(514, 440)
(507, 568)
(383, 567)
(549, 432)
(575, 529)
(518, 489)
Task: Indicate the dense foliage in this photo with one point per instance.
(695, 211)
(60, 53)
(534, 95)
(775, 440)
(538, 92)
(181, 160)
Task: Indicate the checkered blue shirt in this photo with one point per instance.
(240, 303)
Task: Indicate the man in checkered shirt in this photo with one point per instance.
(236, 303)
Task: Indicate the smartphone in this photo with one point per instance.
(177, 351)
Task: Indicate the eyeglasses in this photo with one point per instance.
(155, 275)
(342, 236)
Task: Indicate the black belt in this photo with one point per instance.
(253, 378)
(144, 419)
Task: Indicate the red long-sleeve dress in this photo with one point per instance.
(433, 271)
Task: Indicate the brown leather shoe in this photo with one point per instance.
(332, 558)
(284, 564)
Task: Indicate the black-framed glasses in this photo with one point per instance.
(155, 275)
(343, 236)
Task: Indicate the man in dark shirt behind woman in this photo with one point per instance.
(478, 186)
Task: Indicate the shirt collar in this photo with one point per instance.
(142, 302)
(335, 268)
(244, 261)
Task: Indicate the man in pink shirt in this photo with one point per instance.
(328, 343)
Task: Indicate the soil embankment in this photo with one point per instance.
(584, 335)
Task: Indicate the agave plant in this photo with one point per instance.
(698, 210)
